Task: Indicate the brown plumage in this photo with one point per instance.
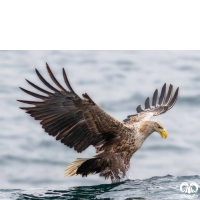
(79, 123)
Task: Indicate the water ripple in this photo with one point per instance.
(165, 187)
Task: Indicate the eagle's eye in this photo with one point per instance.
(159, 127)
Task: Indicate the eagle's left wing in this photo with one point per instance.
(158, 107)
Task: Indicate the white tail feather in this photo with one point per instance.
(72, 168)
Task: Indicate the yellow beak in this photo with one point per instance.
(162, 132)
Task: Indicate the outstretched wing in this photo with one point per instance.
(158, 107)
(76, 122)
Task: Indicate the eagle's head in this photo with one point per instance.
(159, 127)
(150, 126)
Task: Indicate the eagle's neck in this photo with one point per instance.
(144, 129)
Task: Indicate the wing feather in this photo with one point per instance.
(169, 94)
(162, 95)
(139, 109)
(38, 88)
(67, 82)
(46, 83)
(76, 122)
(155, 98)
(164, 104)
(147, 103)
(173, 101)
(54, 79)
(31, 102)
(34, 94)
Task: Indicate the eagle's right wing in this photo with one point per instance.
(76, 122)
(158, 107)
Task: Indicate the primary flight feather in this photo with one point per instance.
(79, 123)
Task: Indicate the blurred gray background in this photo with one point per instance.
(116, 80)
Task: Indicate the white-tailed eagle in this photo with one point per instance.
(79, 123)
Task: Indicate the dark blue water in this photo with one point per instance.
(118, 81)
(167, 187)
